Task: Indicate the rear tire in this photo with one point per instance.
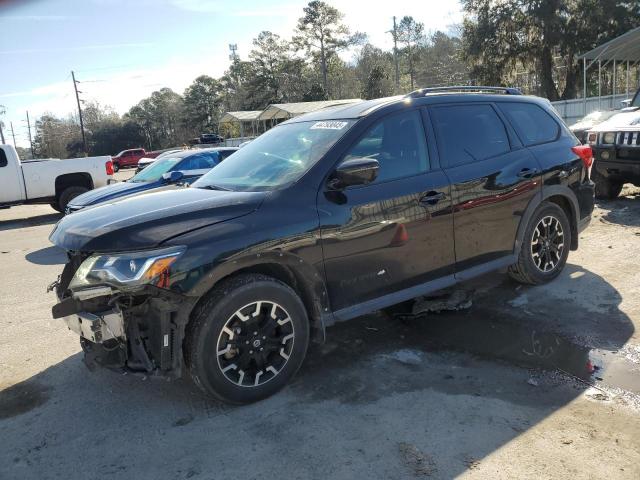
(545, 247)
(246, 339)
(605, 188)
(69, 194)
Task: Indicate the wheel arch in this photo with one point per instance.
(302, 277)
(562, 196)
(79, 179)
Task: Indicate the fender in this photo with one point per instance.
(302, 274)
(548, 192)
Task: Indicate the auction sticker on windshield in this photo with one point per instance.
(331, 125)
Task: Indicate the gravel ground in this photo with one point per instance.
(525, 382)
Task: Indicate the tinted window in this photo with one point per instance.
(199, 162)
(3, 158)
(531, 123)
(397, 142)
(469, 133)
(225, 153)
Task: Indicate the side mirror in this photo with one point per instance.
(356, 171)
(172, 177)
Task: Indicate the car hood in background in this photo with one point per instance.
(110, 192)
(627, 119)
(146, 221)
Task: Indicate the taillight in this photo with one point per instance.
(109, 167)
(585, 153)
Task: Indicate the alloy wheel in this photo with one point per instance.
(547, 244)
(255, 344)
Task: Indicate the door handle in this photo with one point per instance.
(432, 198)
(527, 172)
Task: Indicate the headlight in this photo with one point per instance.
(609, 137)
(127, 269)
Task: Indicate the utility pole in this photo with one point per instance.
(75, 87)
(29, 130)
(395, 54)
(1, 134)
(30, 141)
(13, 134)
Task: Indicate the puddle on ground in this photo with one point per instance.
(480, 332)
(532, 348)
(21, 398)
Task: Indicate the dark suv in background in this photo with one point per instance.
(325, 217)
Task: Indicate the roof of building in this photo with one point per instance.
(622, 48)
(290, 110)
(241, 116)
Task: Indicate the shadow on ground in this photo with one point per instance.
(47, 256)
(47, 219)
(449, 386)
(624, 210)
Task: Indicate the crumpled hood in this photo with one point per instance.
(627, 120)
(109, 192)
(145, 221)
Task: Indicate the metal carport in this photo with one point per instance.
(243, 118)
(284, 111)
(625, 49)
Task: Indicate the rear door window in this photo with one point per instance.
(3, 159)
(225, 153)
(532, 124)
(469, 133)
(199, 162)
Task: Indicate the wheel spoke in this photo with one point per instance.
(257, 339)
(547, 244)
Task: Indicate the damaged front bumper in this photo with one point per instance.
(138, 330)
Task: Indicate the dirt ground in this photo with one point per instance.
(525, 382)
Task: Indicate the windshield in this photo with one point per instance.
(154, 171)
(277, 158)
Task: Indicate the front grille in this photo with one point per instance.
(628, 139)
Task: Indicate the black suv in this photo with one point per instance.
(325, 217)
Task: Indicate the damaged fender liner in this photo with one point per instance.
(155, 320)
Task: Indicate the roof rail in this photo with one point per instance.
(464, 89)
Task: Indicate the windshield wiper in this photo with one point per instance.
(217, 187)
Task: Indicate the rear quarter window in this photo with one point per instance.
(532, 124)
(469, 133)
(3, 159)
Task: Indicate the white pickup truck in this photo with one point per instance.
(51, 181)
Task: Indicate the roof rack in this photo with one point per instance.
(464, 89)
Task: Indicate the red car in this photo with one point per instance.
(129, 158)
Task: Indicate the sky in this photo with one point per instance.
(122, 50)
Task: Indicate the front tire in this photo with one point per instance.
(545, 247)
(69, 194)
(247, 339)
(605, 188)
(116, 167)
